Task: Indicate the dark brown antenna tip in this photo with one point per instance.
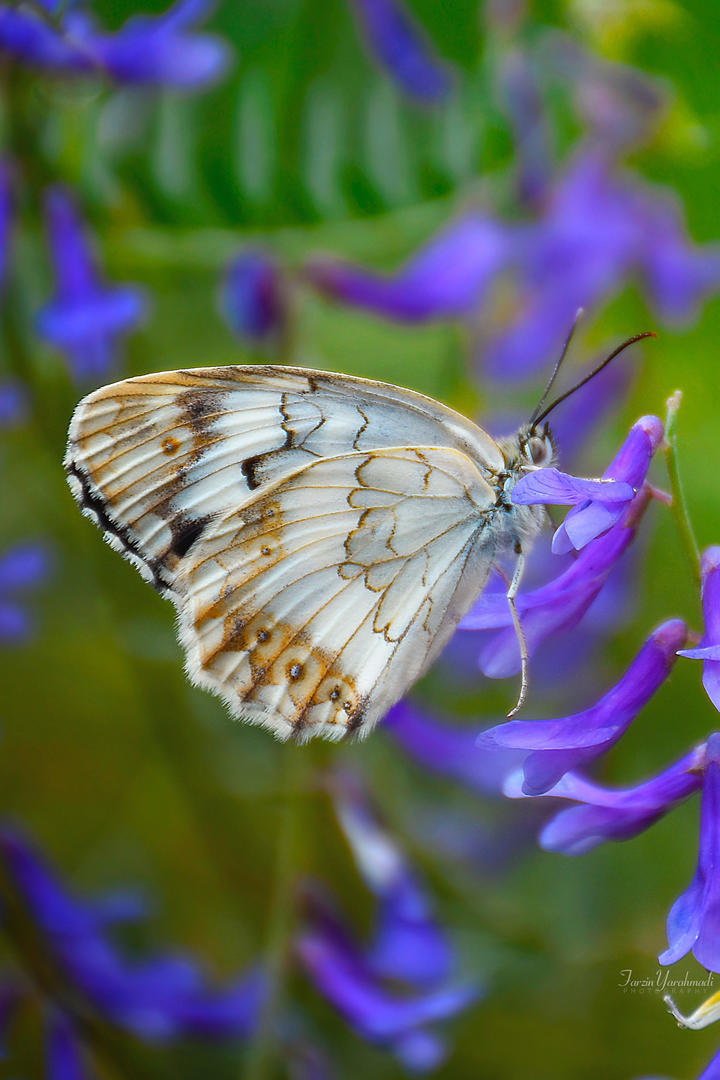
(591, 375)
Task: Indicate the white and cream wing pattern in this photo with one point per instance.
(314, 606)
(156, 459)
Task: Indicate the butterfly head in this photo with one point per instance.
(537, 447)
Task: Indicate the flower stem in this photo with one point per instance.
(679, 505)
(280, 918)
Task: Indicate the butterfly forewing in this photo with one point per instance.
(313, 607)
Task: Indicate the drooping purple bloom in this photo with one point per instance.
(64, 1054)
(450, 750)
(23, 567)
(382, 1013)
(600, 228)
(401, 47)
(554, 747)
(445, 279)
(166, 997)
(163, 50)
(694, 919)
(409, 943)
(597, 504)
(254, 297)
(86, 316)
(29, 38)
(709, 648)
(157, 50)
(558, 605)
(603, 813)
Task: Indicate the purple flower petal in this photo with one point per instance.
(158, 51)
(403, 50)
(86, 317)
(558, 605)
(30, 39)
(14, 403)
(409, 943)
(559, 488)
(253, 297)
(64, 1059)
(445, 279)
(709, 648)
(694, 919)
(450, 750)
(606, 813)
(558, 746)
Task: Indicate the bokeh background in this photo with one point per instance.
(123, 773)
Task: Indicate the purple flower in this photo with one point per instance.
(64, 1057)
(523, 103)
(148, 50)
(409, 944)
(445, 279)
(450, 750)
(163, 50)
(381, 1013)
(30, 38)
(23, 567)
(709, 648)
(164, 998)
(86, 316)
(597, 504)
(605, 813)
(600, 227)
(254, 297)
(554, 747)
(694, 919)
(402, 49)
(558, 605)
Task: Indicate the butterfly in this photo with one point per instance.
(320, 535)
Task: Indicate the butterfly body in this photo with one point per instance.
(321, 536)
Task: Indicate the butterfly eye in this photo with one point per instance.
(539, 450)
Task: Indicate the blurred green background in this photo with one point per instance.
(123, 771)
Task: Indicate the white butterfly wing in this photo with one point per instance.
(155, 459)
(313, 607)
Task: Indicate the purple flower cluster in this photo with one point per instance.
(396, 990)
(22, 568)
(84, 971)
(162, 50)
(597, 229)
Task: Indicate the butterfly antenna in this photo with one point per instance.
(596, 371)
(558, 364)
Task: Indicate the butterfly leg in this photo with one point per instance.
(522, 643)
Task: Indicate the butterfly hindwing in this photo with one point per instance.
(158, 459)
(316, 604)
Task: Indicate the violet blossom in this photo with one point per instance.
(401, 47)
(598, 229)
(394, 990)
(694, 919)
(603, 813)
(23, 567)
(86, 316)
(554, 747)
(13, 402)
(597, 504)
(709, 648)
(160, 50)
(166, 997)
(254, 297)
(558, 605)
